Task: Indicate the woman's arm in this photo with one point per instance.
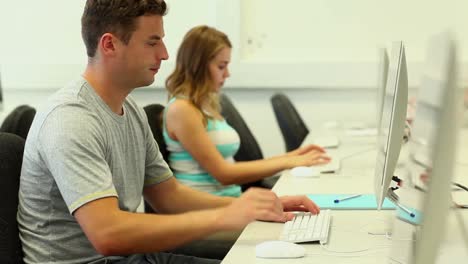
(184, 123)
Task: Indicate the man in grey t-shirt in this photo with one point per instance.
(90, 155)
(78, 151)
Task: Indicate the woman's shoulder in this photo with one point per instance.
(181, 104)
(182, 107)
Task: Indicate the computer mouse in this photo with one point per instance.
(279, 249)
(303, 171)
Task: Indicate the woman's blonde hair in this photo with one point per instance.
(191, 76)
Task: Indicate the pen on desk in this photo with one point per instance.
(405, 209)
(346, 198)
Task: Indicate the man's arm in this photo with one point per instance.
(116, 232)
(173, 197)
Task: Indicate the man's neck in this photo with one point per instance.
(106, 87)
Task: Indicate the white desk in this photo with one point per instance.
(347, 228)
(350, 228)
(343, 133)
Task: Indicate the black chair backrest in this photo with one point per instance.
(290, 122)
(19, 121)
(155, 112)
(11, 158)
(249, 148)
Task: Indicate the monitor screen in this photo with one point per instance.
(432, 153)
(392, 124)
(382, 73)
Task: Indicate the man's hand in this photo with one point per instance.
(254, 204)
(298, 203)
(264, 205)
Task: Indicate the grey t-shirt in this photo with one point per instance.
(77, 151)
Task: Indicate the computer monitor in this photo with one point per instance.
(432, 149)
(382, 73)
(391, 130)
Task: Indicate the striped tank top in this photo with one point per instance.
(188, 171)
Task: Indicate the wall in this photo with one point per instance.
(287, 46)
(336, 30)
(296, 44)
(335, 43)
(41, 45)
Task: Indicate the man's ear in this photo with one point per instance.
(108, 45)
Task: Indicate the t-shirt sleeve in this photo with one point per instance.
(157, 169)
(73, 147)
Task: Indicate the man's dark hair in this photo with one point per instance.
(116, 17)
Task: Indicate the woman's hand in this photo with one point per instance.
(310, 158)
(305, 149)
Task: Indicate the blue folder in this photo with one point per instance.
(363, 202)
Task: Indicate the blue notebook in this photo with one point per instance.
(363, 202)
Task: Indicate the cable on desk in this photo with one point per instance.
(464, 188)
(352, 253)
(383, 220)
(360, 228)
(458, 185)
(387, 234)
(370, 252)
(347, 253)
(461, 186)
(462, 225)
(390, 237)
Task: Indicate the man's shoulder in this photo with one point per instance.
(66, 104)
(132, 106)
(75, 92)
(71, 93)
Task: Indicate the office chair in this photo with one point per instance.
(214, 249)
(292, 126)
(19, 121)
(154, 112)
(249, 149)
(11, 158)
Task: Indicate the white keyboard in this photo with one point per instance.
(306, 227)
(331, 167)
(362, 132)
(327, 142)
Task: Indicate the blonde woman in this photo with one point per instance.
(200, 142)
